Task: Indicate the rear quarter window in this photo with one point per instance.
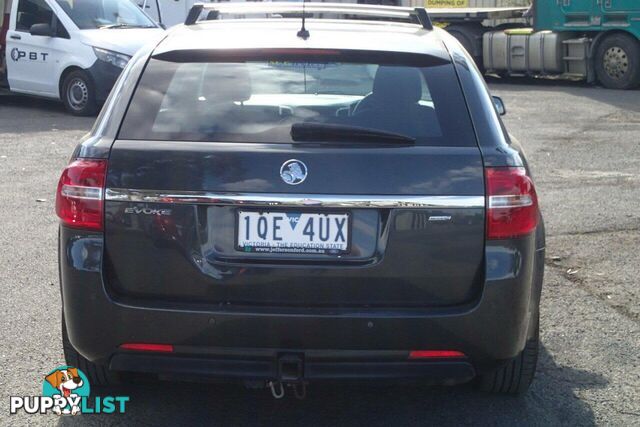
(257, 98)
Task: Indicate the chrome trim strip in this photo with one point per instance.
(293, 200)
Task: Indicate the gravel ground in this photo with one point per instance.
(583, 145)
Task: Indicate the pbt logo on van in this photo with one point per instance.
(66, 391)
(17, 54)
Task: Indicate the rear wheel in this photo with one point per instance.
(617, 62)
(97, 375)
(516, 376)
(79, 94)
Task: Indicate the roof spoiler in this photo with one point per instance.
(416, 15)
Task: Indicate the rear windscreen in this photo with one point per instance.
(247, 99)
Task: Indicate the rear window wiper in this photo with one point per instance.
(325, 132)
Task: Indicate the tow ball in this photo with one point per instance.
(278, 389)
(290, 374)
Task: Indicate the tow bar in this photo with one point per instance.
(290, 374)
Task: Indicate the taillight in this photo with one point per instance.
(160, 348)
(79, 200)
(512, 204)
(436, 354)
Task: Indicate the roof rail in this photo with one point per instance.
(416, 15)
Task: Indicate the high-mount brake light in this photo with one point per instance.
(512, 204)
(80, 195)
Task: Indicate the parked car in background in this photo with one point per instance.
(281, 202)
(71, 50)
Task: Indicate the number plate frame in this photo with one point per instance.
(336, 253)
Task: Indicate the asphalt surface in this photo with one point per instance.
(584, 147)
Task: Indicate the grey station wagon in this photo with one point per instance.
(278, 197)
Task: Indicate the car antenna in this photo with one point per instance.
(303, 33)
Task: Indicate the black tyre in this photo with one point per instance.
(617, 62)
(79, 94)
(464, 38)
(516, 376)
(98, 376)
(470, 37)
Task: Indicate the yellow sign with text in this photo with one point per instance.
(446, 3)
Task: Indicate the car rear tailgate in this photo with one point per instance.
(403, 253)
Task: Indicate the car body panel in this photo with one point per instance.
(440, 259)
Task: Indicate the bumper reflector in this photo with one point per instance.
(435, 354)
(161, 348)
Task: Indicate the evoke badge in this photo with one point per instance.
(293, 172)
(147, 211)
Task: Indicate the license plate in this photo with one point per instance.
(293, 232)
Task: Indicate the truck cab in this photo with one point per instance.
(71, 50)
(597, 40)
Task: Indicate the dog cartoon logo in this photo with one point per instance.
(67, 383)
(66, 391)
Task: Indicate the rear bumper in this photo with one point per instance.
(335, 343)
(262, 366)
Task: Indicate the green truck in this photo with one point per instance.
(596, 40)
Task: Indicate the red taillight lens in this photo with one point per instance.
(161, 348)
(79, 200)
(436, 354)
(512, 204)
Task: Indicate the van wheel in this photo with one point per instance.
(79, 94)
(617, 62)
(98, 375)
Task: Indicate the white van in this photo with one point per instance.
(174, 12)
(72, 50)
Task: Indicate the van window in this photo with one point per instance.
(32, 12)
(92, 14)
(259, 100)
(61, 31)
